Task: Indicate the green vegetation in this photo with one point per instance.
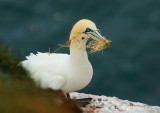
(19, 94)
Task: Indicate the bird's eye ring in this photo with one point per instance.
(88, 29)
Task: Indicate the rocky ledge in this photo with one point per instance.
(103, 104)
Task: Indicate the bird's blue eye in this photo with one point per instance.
(88, 29)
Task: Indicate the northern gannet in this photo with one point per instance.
(62, 71)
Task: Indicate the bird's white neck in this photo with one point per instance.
(78, 49)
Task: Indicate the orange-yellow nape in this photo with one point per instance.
(81, 26)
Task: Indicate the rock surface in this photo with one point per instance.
(103, 104)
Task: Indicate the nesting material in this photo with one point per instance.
(94, 45)
(98, 45)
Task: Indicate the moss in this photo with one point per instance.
(19, 94)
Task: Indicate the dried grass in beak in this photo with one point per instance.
(94, 45)
(98, 45)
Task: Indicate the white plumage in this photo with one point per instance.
(62, 71)
(58, 71)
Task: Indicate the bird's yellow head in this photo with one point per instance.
(82, 31)
(86, 28)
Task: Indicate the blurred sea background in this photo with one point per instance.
(130, 69)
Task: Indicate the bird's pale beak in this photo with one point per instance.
(95, 35)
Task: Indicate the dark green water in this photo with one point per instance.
(130, 69)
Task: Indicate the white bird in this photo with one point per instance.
(62, 71)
